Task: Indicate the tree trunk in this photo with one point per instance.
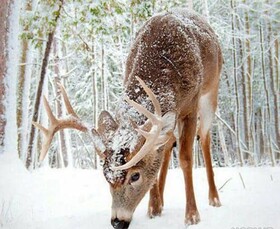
(62, 152)
(95, 98)
(4, 8)
(223, 141)
(206, 10)
(243, 101)
(273, 90)
(237, 125)
(40, 88)
(249, 80)
(190, 4)
(277, 88)
(21, 85)
(102, 91)
(67, 134)
(267, 125)
(260, 142)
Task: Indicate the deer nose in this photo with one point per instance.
(119, 224)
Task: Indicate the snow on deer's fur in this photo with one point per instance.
(171, 79)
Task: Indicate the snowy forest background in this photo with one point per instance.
(83, 44)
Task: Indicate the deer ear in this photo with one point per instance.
(106, 125)
(98, 143)
(169, 122)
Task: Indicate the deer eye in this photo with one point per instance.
(134, 177)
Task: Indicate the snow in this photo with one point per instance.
(74, 198)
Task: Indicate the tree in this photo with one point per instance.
(21, 84)
(4, 8)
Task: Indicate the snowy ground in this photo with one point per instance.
(73, 199)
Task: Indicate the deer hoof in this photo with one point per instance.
(192, 218)
(215, 202)
(154, 211)
(155, 206)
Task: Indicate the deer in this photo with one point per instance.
(171, 80)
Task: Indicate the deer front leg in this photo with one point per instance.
(164, 168)
(187, 128)
(156, 201)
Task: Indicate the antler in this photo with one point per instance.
(72, 121)
(153, 135)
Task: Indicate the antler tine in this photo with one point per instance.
(40, 127)
(45, 146)
(153, 117)
(47, 140)
(51, 117)
(151, 95)
(144, 133)
(137, 157)
(142, 110)
(67, 103)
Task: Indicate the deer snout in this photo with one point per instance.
(119, 224)
(121, 218)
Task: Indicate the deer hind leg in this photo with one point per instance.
(206, 112)
(187, 131)
(156, 201)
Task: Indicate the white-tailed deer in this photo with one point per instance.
(172, 78)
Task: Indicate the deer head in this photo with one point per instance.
(132, 156)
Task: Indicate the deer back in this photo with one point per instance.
(177, 55)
